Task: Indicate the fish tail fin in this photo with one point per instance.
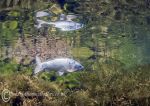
(38, 61)
(38, 67)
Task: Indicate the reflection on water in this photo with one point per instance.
(124, 39)
(64, 23)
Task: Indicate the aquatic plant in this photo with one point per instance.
(118, 88)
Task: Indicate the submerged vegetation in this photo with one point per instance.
(113, 47)
(116, 87)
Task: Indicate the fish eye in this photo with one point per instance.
(81, 67)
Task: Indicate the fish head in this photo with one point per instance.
(78, 67)
(75, 66)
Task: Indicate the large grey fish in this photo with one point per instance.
(60, 65)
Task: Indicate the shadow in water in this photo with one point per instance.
(61, 3)
(71, 5)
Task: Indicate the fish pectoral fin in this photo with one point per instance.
(60, 73)
(63, 29)
(70, 70)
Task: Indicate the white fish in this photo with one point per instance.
(61, 65)
(41, 14)
(62, 25)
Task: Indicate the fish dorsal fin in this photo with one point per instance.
(38, 61)
(50, 59)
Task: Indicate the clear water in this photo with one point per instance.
(113, 46)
